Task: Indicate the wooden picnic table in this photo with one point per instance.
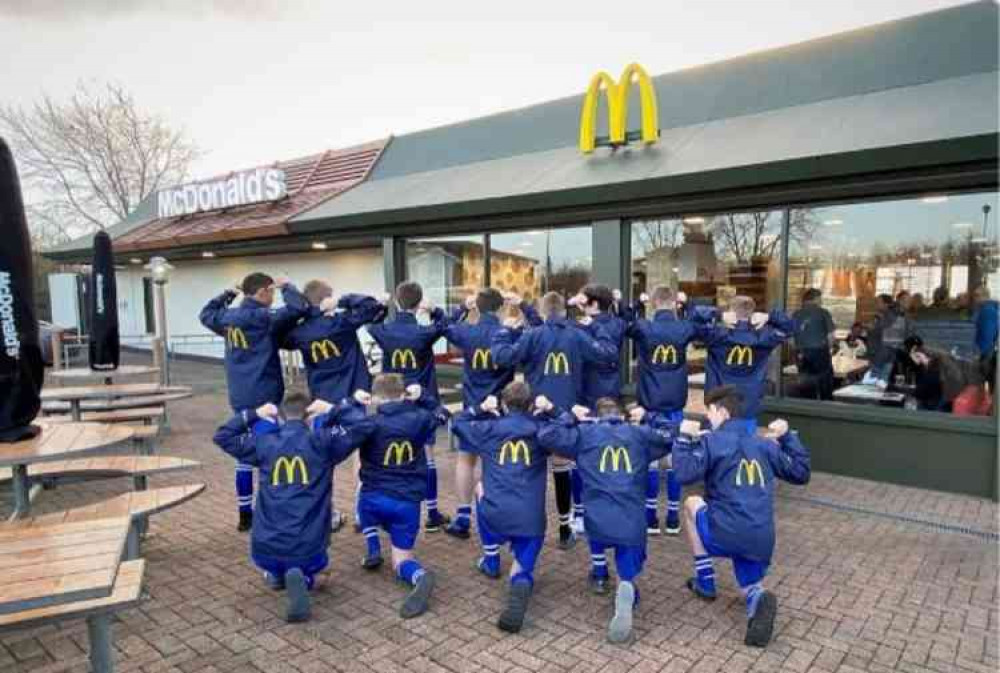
(76, 394)
(55, 442)
(82, 374)
(61, 563)
(868, 394)
(843, 367)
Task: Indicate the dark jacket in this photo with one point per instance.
(335, 364)
(661, 345)
(408, 347)
(252, 332)
(292, 515)
(515, 469)
(602, 379)
(739, 470)
(613, 459)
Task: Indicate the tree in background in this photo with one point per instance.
(88, 161)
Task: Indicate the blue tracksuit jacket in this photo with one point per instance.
(553, 356)
(740, 471)
(252, 332)
(408, 347)
(662, 353)
(515, 469)
(391, 444)
(602, 379)
(738, 356)
(613, 458)
(335, 364)
(293, 513)
(481, 376)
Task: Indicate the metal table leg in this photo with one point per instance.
(22, 492)
(74, 409)
(102, 659)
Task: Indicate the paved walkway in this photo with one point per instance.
(889, 588)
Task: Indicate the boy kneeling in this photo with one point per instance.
(510, 505)
(735, 519)
(291, 530)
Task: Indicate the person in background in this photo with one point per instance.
(940, 308)
(885, 337)
(814, 336)
(916, 304)
(985, 318)
(960, 382)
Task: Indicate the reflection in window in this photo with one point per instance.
(448, 267)
(903, 289)
(531, 263)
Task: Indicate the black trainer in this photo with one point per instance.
(598, 584)
(456, 529)
(512, 618)
(371, 562)
(418, 601)
(692, 584)
(761, 625)
(436, 523)
(246, 521)
(567, 538)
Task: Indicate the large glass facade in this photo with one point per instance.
(531, 263)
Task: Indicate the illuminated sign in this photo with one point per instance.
(617, 97)
(239, 189)
(289, 467)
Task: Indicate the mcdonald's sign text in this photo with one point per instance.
(740, 355)
(288, 468)
(323, 350)
(403, 358)
(481, 359)
(750, 470)
(617, 97)
(618, 457)
(396, 452)
(514, 449)
(236, 338)
(665, 354)
(556, 363)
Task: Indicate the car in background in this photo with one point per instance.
(45, 332)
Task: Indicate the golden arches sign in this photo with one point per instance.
(515, 449)
(403, 358)
(665, 354)
(752, 471)
(395, 453)
(617, 96)
(481, 359)
(323, 350)
(556, 363)
(618, 457)
(289, 467)
(236, 338)
(740, 355)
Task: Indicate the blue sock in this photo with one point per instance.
(576, 486)
(673, 500)
(244, 487)
(598, 561)
(463, 516)
(410, 571)
(523, 576)
(752, 594)
(432, 489)
(704, 573)
(652, 495)
(372, 541)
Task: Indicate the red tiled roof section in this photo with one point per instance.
(309, 181)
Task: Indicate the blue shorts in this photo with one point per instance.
(277, 567)
(747, 571)
(629, 559)
(399, 518)
(525, 549)
(658, 419)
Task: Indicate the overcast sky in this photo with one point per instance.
(253, 81)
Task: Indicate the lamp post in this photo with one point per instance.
(160, 270)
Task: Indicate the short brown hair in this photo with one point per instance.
(295, 405)
(599, 293)
(553, 305)
(316, 291)
(516, 396)
(729, 398)
(662, 295)
(409, 295)
(489, 300)
(607, 406)
(388, 386)
(255, 282)
(742, 305)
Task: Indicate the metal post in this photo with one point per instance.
(132, 542)
(22, 495)
(74, 410)
(160, 321)
(101, 654)
(57, 349)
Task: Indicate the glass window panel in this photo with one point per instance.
(920, 267)
(534, 262)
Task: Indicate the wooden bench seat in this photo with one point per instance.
(114, 404)
(126, 593)
(145, 414)
(105, 466)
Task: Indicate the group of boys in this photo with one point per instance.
(567, 409)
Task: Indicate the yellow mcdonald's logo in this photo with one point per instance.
(289, 467)
(617, 96)
(236, 338)
(665, 354)
(740, 355)
(515, 449)
(323, 350)
(404, 359)
(481, 359)
(750, 468)
(556, 363)
(617, 456)
(396, 451)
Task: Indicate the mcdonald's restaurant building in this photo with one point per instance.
(862, 164)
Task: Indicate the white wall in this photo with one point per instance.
(193, 283)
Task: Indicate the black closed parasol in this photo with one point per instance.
(105, 347)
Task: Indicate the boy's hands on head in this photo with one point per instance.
(425, 306)
(682, 298)
(491, 405)
(543, 404)
(644, 298)
(581, 412)
(577, 299)
(470, 302)
(729, 318)
(636, 414)
(690, 428)
(511, 322)
(328, 305)
(268, 412)
(363, 397)
(413, 392)
(616, 295)
(384, 298)
(585, 320)
(758, 319)
(318, 408)
(282, 281)
(777, 429)
(511, 298)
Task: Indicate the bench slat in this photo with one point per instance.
(123, 466)
(14, 532)
(64, 553)
(120, 416)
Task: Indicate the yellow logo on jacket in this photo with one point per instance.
(396, 452)
(618, 457)
(617, 97)
(481, 359)
(665, 354)
(557, 363)
(515, 449)
(323, 350)
(236, 338)
(289, 468)
(740, 355)
(403, 358)
(751, 471)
